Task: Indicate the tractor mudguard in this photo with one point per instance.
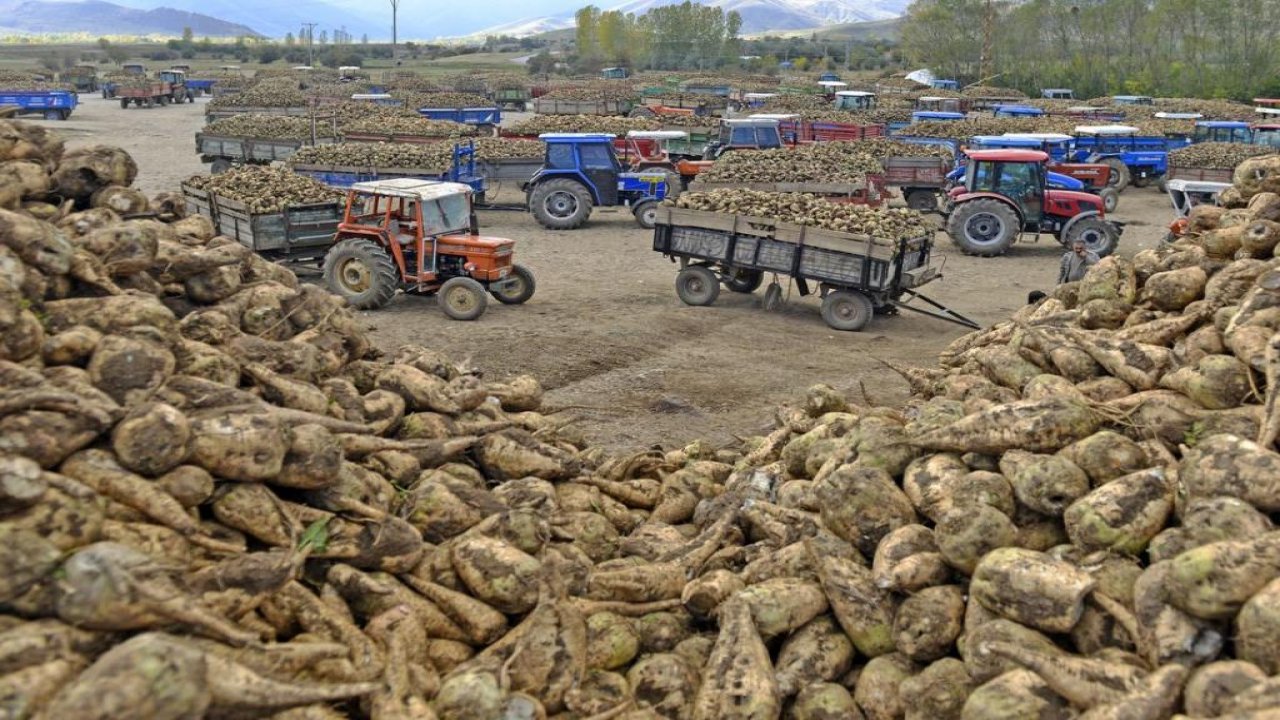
(962, 197)
(1066, 229)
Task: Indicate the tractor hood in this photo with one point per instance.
(1069, 203)
(486, 242)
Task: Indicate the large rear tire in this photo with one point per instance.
(560, 204)
(1120, 176)
(518, 288)
(462, 298)
(1098, 235)
(361, 272)
(847, 310)
(984, 227)
(697, 285)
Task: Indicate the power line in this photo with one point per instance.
(311, 27)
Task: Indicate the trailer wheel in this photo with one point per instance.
(191, 97)
(646, 214)
(1098, 235)
(922, 200)
(1141, 181)
(219, 166)
(462, 298)
(697, 285)
(518, 288)
(1110, 198)
(362, 272)
(743, 281)
(124, 103)
(983, 227)
(560, 204)
(847, 310)
(1119, 173)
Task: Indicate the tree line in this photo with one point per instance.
(1184, 48)
(684, 36)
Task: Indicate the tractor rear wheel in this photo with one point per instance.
(362, 272)
(1120, 175)
(847, 310)
(518, 288)
(647, 214)
(743, 281)
(983, 227)
(462, 298)
(697, 285)
(1098, 235)
(922, 200)
(560, 204)
(1110, 198)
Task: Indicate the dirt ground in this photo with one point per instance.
(606, 334)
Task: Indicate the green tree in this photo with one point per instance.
(187, 35)
(118, 54)
(289, 41)
(587, 34)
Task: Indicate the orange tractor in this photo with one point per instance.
(421, 236)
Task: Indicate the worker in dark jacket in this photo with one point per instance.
(1076, 262)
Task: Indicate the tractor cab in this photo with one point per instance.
(1132, 100)
(757, 99)
(931, 116)
(1228, 131)
(1267, 134)
(1267, 106)
(582, 170)
(831, 87)
(854, 100)
(1016, 111)
(420, 236)
(757, 132)
(1005, 193)
(1058, 94)
(173, 77)
(933, 103)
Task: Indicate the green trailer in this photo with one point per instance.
(516, 99)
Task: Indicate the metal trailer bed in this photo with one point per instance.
(297, 233)
(883, 271)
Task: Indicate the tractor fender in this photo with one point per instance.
(1071, 223)
(537, 180)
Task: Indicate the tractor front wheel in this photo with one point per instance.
(697, 285)
(847, 310)
(517, 289)
(462, 298)
(647, 214)
(983, 227)
(1097, 234)
(362, 272)
(1110, 198)
(560, 204)
(1120, 175)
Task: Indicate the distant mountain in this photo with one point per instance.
(757, 15)
(276, 19)
(104, 18)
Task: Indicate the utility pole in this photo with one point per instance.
(988, 40)
(310, 30)
(395, 7)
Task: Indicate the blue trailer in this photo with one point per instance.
(1139, 159)
(201, 87)
(932, 115)
(1016, 111)
(485, 118)
(52, 104)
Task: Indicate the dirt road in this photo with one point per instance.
(606, 334)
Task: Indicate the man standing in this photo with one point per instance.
(1076, 262)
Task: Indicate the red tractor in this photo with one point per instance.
(1004, 195)
(420, 236)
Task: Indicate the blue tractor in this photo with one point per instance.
(1229, 131)
(580, 171)
(1133, 158)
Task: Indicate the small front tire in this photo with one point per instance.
(847, 310)
(1110, 198)
(462, 298)
(517, 289)
(647, 214)
(697, 285)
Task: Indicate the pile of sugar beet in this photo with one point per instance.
(220, 500)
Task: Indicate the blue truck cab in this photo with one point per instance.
(581, 170)
(1016, 111)
(932, 115)
(1133, 158)
(1230, 131)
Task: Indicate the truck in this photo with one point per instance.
(544, 106)
(856, 276)
(49, 104)
(169, 87)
